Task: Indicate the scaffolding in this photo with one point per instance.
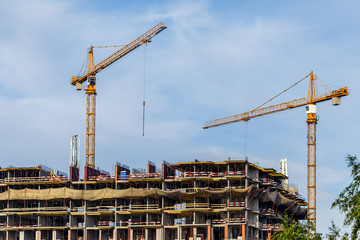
(184, 201)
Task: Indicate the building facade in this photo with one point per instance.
(188, 200)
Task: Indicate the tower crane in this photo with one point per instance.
(89, 75)
(310, 102)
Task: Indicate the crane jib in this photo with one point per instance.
(276, 108)
(311, 121)
(89, 76)
(122, 52)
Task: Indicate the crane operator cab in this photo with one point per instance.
(91, 80)
(311, 108)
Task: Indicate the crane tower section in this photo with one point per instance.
(311, 119)
(89, 75)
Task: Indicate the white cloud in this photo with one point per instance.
(209, 63)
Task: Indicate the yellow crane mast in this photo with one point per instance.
(89, 75)
(310, 103)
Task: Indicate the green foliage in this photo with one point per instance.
(296, 231)
(334, 233)
(348, 201)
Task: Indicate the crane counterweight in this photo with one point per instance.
(335, 101)
(78, 86)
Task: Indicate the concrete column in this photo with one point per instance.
(69, 234)
(246, 216)
(85, 218)
(257, 233)
(243, 232)
(230, 232)
(146, 233)
(226, 232)
(246, 200)
(100, 234)
(116, 216)
(247, 174)
(131, 234)
(115, 233)
(179, 233)
(39, 205)
(209, 232)
(194, 232)
(22, 235)
(38, 235)
(228, 170)
(159, 234)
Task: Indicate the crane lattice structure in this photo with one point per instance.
(89, 75)
(310, 103)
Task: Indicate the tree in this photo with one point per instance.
(334, 233)
(348, 201)
(296, 231)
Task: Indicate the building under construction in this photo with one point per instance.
(198, 200)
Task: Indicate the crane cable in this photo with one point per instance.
(245, 140)
(282, 92)
(144, 85)
(246, 130)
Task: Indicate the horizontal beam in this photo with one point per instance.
(246, 116)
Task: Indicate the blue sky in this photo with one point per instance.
(216, 59)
